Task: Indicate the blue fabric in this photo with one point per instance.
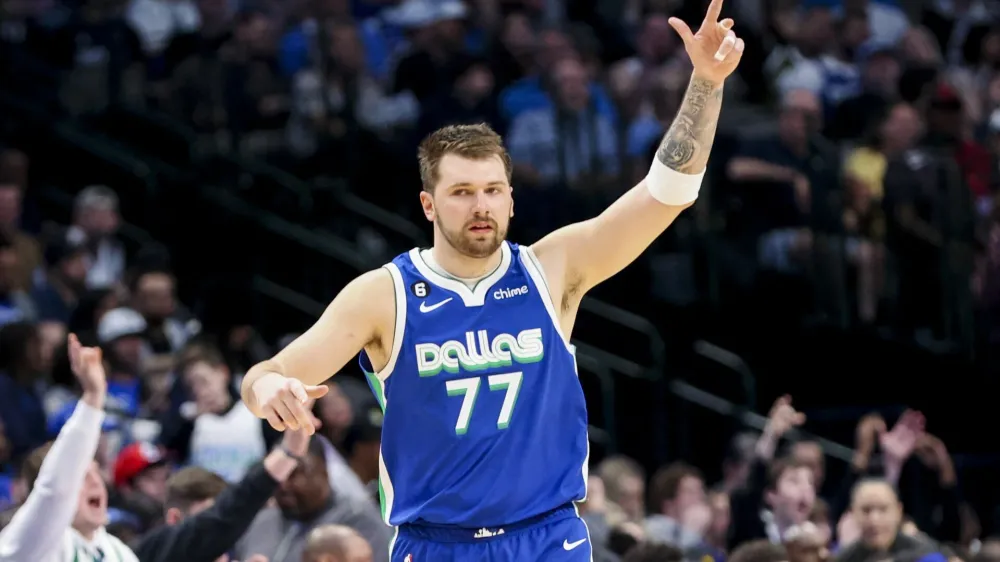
(562, 538)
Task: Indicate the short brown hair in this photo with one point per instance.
(476, 142)
(778, 469)
(667, 481)
(761, 550)
(199, 352)
(192, 485)
(32, 464)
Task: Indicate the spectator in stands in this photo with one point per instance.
(568, 142)
(120, 333)
(205, 517)
(779, 493)
(140, 479)
(336, 543)
(342, 100)
(625, 485)
(95, 225)
(362, 446)
(679, 514)
(63, 518)
(784, 171)
(22, 409)
(876, 509)
(306, 501)
(27, 248)
(65, 281)
(215, 431)
(810, 453)
(154, 296)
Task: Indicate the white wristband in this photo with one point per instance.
(671, 187)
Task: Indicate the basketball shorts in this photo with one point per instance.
(557, 536)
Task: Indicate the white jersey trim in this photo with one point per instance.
(399, 291)
(471, 297)
(380, 378)
(537, 274)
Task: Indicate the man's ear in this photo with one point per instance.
(173, 516)
(427, 203)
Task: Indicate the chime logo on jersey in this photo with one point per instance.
(479, 351)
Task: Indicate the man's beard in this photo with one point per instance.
(463, 241)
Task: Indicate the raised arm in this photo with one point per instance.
(361, 316)
(37, 529)
(591, 251)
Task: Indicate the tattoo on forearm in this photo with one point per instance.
(686, 145)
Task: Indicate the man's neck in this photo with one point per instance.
(464, 267)
(88, 534)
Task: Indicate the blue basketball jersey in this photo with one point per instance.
(485, 420)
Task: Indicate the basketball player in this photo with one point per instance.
(484, 441)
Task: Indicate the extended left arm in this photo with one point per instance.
(598, 248)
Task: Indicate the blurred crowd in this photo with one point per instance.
(861, 137)
(858, 154)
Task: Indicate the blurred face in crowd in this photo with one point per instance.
(92, 508)
(656, 40)
(801, 116)
(128, 352)
(99, 220)
(153, 482)
(901, 128)
(571, 83)
(854, 31)
(690, 492)
(209, 385)
(810, 454)
(629, 492)
(155, 297)
(555, 46)
(305, 493)
(816, 31)
(471, 205)
(10, 205)
(451, 32)
(517, 36)
(51, 336)
(346, 49)
(475, 83)
(793, 495)
(256, 34)
(881, 74)
(878, 513)
(73, 270)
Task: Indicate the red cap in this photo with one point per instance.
(134, 459)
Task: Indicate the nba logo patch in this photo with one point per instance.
(409, 558)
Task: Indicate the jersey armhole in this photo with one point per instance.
(378, 380)
(537, 274)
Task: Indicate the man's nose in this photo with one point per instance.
(481, 201)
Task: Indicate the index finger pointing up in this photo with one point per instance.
(713, 12)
